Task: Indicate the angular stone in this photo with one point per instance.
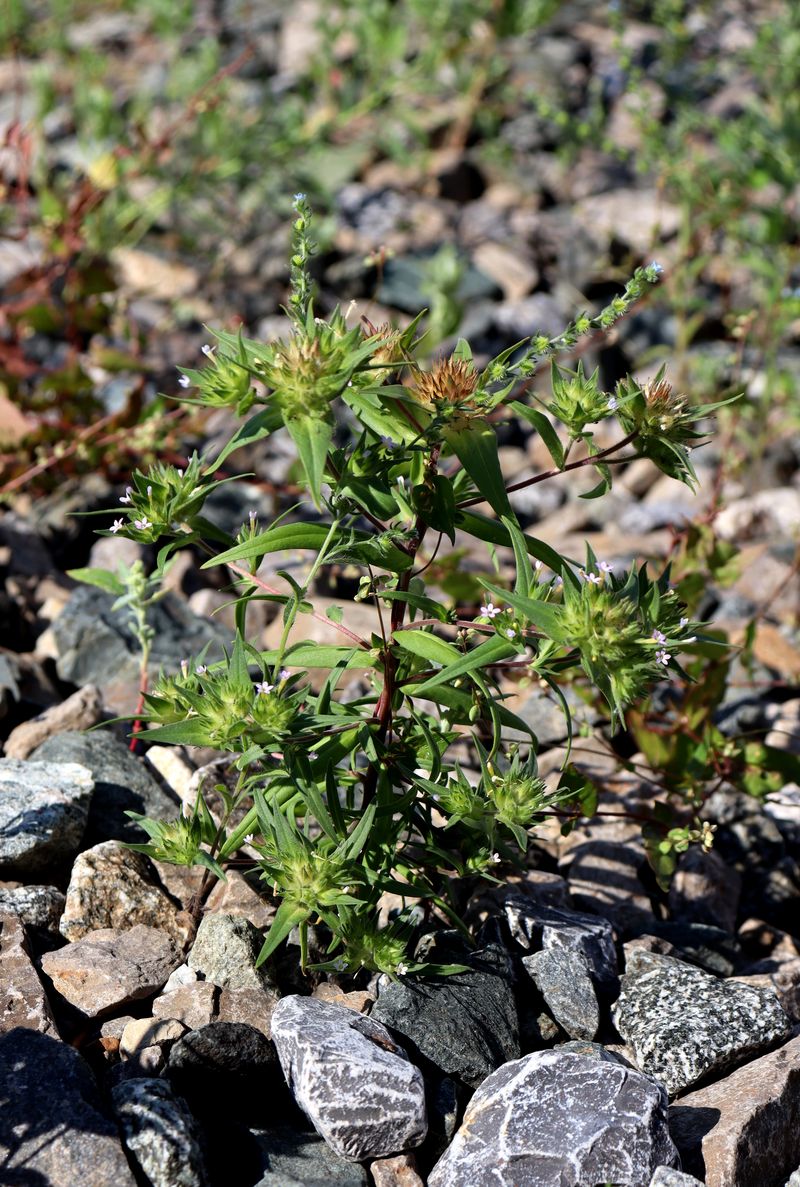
(23, 999)
(79, 712)
(159, 1133)
(683, 1023)
(559, 1120)
(358, 1087)
(237, 897)
(43, 811)
(400, 1171)
(194, 1005)
(52, 1128)
(783, 976)
(535, 924)
(465, 1024)
(253, 1006)
(149, 1032)
(705, 890)
(227, 1068)
(114, 887)
(109, 968)
(225, 951)
(604, 877)
(35, 906)
(665, 1176)
(358, 999)
(297, 1158)
(745, 1129)
(122, 783)
(562, 977)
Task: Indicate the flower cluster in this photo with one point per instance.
(164, 501)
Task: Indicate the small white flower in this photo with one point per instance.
(558, 581)
(613, 404)
(142, 524)
(200, 670)
(126, 498)
(489, 610)
(495, 859)
(657, 268)
(186, 809)
(149, 491)
(207, 350)
(593, 578)
(179, 473)
(248, 839)
(313, 755)
(299, 198)
(347, 890)
(605, 567)
(263, 688)
(510, 634)
(401, 969)
(185, 667)
(659, 637)
(537, 566)
(117, 526)
(284, 674)
(684, 622)
(663, 657)
(691, 639)
(185, 381)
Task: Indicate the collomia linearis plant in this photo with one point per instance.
(418, 777)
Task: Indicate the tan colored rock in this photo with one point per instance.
(399, 1171)
(253, 1006)
(511, 269)
(23, 1001)
(743, 1131)
(358, 1000)
(115, 887)
(109, 968)
(174, 768)
(78, 712)
(149, 1032)
(145, 273)
(194, 1005)
(238, 897)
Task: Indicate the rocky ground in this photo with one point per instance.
(605, 1031)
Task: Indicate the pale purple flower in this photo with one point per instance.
(489, 610)
(284, 674)
(185, 381)
(656, 267)
(684, 622)
(263, 688)
(613, 404)
(126, 498)
(185, 667)
(663, 657)
(510, 634)
(558, 581)
(605, 567)
(200, 670)
(207, 350)
(313, 755)
(142, 524)
(659, 637)
(117, 526)
(593, 578)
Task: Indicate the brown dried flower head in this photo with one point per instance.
(451, 384)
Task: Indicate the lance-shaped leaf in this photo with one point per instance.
(493, 651)
(312, 436)
(99, 577)
(544, 428)
(475, 446)
(543, 615)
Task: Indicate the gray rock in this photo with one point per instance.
(591, 1050)
(559, 1120)
(122, 783)
(683, 1023)
(35, 906)
(159, 1133)
(228, 1069)
(95, 644)
(533, 924)
(225, 951)
(43, 811)
(465, 1024)
(108, 968)
(665, 1176)
(705, 890)
(23, 1000)
(358, 1087)
(111, 886)
(296, 1159)
(194, 1005)
(52, 1129)
(562, 977)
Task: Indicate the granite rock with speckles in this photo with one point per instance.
(357, 1085)
(44, 807)
(683, 1023)
(159, 1133)
(535, 925)
(560, 1120)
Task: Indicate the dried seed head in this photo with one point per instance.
(451, 382)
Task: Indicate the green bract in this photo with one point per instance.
(348, 792)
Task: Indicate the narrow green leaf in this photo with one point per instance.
(475, 446)
(288, 916)
(544, 428)
(427, 646)
(312, 436)
(544, 616)
(492, 532)
(312, 655)
(493, 651)
(99, 577)
(266, 421)
(191, 732)
(358, 838)
(243, 829)
(284, 538)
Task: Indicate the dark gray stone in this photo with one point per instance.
(466, 1024)
(159, 1133)
(228, 1068)
(35, 906)
(294, 1158)
(705, 890)
(122, 783)
(592, 1050)
(43, 811)
(562, 977)
(350, 1077)
(683, 1023)
(560, 1120)
(536, 924)
(53, 1132)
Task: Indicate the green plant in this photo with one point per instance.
(347, 796)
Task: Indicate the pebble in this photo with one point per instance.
(36, 906)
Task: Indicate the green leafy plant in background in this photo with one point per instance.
(346, 795)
